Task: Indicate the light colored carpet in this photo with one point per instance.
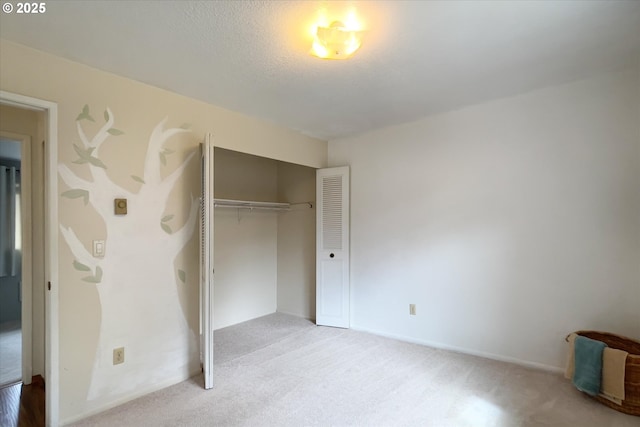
(280, 370)
(10, 353)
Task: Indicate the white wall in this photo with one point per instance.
(245, 242)
(297, 241)
(510, 224)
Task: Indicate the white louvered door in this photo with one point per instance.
(332, 247)
(206, 263)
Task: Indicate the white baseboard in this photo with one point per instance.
(129, 397)
(297, 315)
(441, 346)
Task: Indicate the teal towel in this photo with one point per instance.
(587, 375)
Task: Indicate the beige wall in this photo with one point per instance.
(96, 317)
(245, 242)
(71, 85)
(297, 241)
(26, 122)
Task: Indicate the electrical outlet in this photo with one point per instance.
(412, 309)
(118, 355)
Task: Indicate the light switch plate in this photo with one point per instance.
(120, 206)
(98, 248)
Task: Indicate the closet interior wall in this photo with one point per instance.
(297, 241)
(264, 260)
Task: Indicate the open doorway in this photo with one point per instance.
(11, 234)
(34, 122)
(259, 230)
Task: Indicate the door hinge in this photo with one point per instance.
(49, 285)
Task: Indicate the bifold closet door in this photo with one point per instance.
(332, 247)
(206, 263)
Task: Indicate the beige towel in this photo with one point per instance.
(571, 361)
(613, 367)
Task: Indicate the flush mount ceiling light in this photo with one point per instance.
(336, 41)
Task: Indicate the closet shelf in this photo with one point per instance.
(247, 204)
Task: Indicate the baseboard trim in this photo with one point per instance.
(312, 319)
(129, 397)
(462, 350)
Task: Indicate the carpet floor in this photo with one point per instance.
(280, 370)
(10, 353)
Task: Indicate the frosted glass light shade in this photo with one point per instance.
(336, 41)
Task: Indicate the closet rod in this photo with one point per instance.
(309, 204)
(246, 204)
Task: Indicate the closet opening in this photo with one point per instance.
(264, 238)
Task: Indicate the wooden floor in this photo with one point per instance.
(23, 405)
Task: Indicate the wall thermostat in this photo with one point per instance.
(120, 206)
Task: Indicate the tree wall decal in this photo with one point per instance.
(136, 279)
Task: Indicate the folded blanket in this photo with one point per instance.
(613, 369)
(571, 361)
(588, 365)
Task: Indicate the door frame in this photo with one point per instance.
(206, 261)
(26, 278)
(52, 373)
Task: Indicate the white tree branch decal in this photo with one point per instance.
(135, 280)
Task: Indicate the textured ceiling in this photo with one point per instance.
(418, 58)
